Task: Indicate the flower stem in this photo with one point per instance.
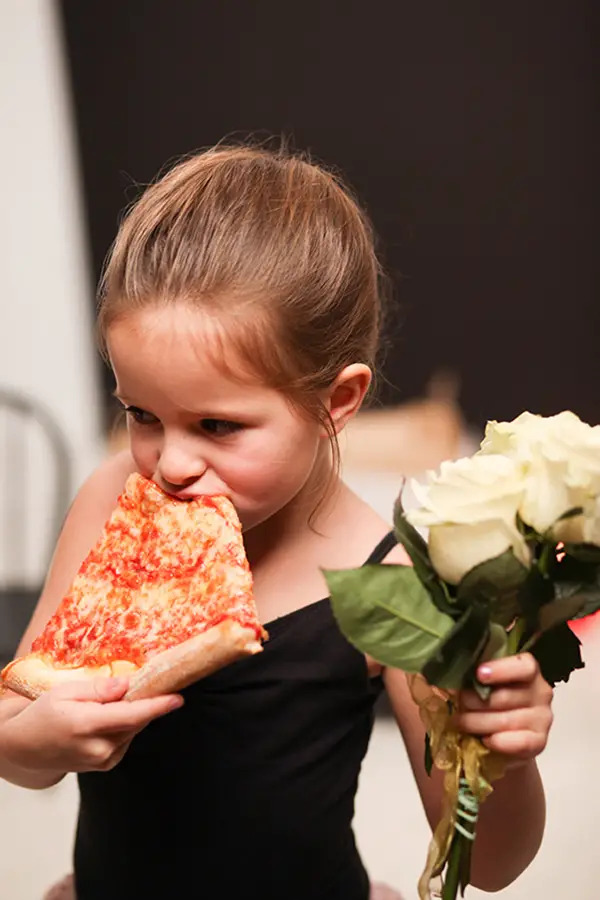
(452, 876)
(458, 867)
(514, 636)
(546, 555)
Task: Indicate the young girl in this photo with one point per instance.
(240, 312)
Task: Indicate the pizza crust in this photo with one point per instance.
(31, 675)
(168, 671)
(181, 665)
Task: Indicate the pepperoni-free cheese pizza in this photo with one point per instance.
(165, 597)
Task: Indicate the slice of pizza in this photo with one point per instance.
(165, 597)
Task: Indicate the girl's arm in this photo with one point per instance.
(83, 526)
(79, 726)
(81, 529)
(10, 706)
(515, 720)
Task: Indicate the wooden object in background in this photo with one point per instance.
(408, 438)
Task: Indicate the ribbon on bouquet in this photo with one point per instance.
(469, 769)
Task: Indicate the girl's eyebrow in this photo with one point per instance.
(122, 398)
(215, 413)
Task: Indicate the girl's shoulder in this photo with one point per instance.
(97, 497)
(361, 529)
(94, 503)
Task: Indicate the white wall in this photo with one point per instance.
(46, 342)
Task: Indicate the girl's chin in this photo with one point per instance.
(251, 519)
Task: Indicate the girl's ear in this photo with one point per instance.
(346, 394)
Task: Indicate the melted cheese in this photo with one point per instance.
(163, 571)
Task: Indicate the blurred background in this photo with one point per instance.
(469, 132)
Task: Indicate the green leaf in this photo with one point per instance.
(558, 653)
(561, 609)
(590, 598)
(385, 611)
(576, 580)
(418, 551)
(497, 643)
(483, 691)
(428, 756)
(566, 567)
(502, 573)
(496, 648)
(496, 582)
(451, 665)
(570, 513)
(536, 591)
(589, 553)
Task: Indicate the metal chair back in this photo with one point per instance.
(35, 486)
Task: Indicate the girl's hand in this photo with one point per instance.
(79, 727)
(517, 717)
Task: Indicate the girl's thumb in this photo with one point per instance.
(102, 690)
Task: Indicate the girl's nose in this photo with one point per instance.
(178, 468)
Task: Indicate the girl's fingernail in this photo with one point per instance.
(484, 672)
(176, 703)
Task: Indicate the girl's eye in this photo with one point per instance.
(140, 416)
(219, 427)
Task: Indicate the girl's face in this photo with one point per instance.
(195, 430)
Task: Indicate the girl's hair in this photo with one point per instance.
(273, 249)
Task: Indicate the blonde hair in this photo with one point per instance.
(273, 248)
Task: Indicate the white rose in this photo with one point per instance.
(581, 529)
(561, 456)
(470, 508)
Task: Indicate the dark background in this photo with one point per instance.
(468, 129)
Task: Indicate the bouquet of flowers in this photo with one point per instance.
(512, 556)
